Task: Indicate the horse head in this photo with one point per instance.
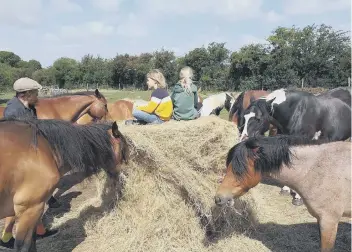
(98, 108)
(120, 147)
(229, 101)
(257, 119)
(240, 175)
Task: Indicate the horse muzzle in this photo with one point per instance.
(224, 200)
(243, 137)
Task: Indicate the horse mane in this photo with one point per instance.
(268, 153)
(83, 93)
(81, 148)
(237, 104)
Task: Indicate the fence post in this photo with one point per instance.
(349, 81)
(302, 82)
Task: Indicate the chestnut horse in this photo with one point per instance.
(117, 111)
(71, 107)
(122, 110)
(36, 153)
(320, 172)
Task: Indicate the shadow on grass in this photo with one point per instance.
(303, 237)
(72, 232)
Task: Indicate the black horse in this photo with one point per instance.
(325, 116)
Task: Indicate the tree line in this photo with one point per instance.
(315, 56)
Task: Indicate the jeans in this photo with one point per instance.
(146, 117)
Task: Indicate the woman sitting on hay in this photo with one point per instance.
(185, 97)
(159, 108)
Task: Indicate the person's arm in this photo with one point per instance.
(196, 99)
(152, 104)
(11, 112)
(172, 95)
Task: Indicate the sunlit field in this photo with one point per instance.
(114, 95)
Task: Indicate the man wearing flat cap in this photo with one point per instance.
(23, 104)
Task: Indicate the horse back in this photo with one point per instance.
(330, 116)
(336, 123)
(120, 110)
(339, 93)
(242, 103)
(26, 157)
(251, 96)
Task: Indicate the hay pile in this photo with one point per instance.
(167, 199)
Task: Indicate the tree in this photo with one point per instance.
(66, 72)
(313, 55)
(166, 61)
(9, 58)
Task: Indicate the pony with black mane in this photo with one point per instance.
(325, 116)
(243, 101)
(37, 153)
(319, 170)
(300, 113)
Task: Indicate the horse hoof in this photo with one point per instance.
(285, 192)
(297, 202)
(10, 244)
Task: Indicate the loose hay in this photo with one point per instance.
(167, 198)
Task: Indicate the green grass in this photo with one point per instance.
(114, 95)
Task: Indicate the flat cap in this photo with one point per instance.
(25, 84)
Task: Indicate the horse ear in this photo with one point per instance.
(115, 130)
(270, 101)
(97, 93)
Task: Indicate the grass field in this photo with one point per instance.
(114, 95)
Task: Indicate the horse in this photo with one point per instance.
(213, 104)
(301, 113)
(37, 153)
(71, 107)
(339, 93)
(117, 111)
(320, 172)
(241, 103)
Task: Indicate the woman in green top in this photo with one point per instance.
(184, 97)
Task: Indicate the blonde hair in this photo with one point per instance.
(186, 75)
(158, 77)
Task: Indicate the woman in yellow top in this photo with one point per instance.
(159, 108)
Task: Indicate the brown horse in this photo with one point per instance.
(242, 102)
(71, 107)
(117, 111)
(36, 153)
(122, 110)
(320, 173)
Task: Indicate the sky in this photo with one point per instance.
(46, 30)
